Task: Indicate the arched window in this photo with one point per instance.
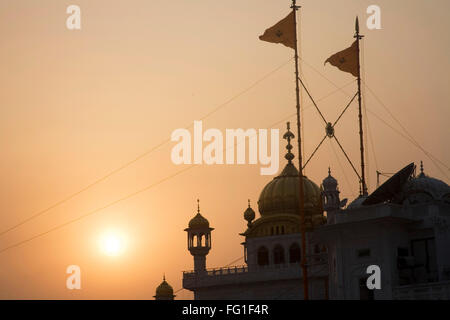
(294, 253)
(278, 254)
(263, 256)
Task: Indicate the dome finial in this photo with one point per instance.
(421, 167)
(249, 214)
(198, 205)
(288, 136)
(164, 276)
(329, 171)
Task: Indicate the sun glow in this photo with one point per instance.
(112, 243)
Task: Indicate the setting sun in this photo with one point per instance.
(112, 243)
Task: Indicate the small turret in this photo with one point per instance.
(199, 239)
(330, 196)
(164, 291)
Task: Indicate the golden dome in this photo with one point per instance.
(164, 291)
(281, 195)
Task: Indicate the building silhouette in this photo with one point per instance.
(403, 228)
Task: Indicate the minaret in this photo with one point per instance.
(330, 197)
(199, 240)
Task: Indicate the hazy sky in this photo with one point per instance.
(76, 105)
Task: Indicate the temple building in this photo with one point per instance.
(272, 246)
(403, 228)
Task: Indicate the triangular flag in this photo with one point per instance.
(346, 60)
(283, 32)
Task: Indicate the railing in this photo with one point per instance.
(423, 291)
(218, 271)
(314, 260)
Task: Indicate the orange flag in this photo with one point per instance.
(346, 60)
(283, 32)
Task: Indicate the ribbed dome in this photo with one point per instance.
(198, 222)
(281, 195)
(424, 188)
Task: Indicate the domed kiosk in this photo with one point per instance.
(164, 291)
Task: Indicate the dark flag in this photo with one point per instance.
(283, 32)
(346, 60)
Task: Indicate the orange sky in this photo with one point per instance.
(76, 105)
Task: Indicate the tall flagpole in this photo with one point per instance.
(361, 140)
(300, 164)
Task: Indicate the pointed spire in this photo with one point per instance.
(294, 5)
(357, 25)
(288, 136)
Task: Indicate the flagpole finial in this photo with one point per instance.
(357, 35)
(294, 5)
